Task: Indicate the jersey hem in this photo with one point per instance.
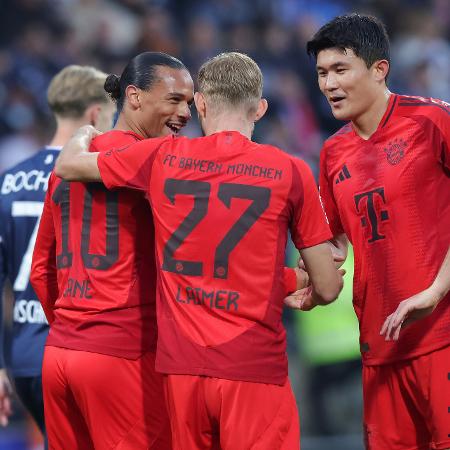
(414, 355)
(131, 356)
(279, 381)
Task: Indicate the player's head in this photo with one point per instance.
(155, 92)
(352, 54)
(76, 94)
(230, 84)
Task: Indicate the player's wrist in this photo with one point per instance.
(436, 294)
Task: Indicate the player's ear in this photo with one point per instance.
(92, 114)
(262, 108)
(380, 69)
(200, 104)
(132, 96)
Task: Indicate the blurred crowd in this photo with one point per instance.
(39, 37)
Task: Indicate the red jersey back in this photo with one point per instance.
(222, 207)
(391, 195)
(105, 263)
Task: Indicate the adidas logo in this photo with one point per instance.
(343, 175)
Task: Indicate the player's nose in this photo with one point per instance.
(331, 81)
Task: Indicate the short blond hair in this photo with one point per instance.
(231, 78)
(74, 89)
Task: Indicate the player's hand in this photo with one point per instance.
(339, 256)
(408, 311)
(87, 131)
(300, 300)
(80, 141)
(5, 398)
(302, 278)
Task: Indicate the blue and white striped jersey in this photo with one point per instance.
(22, 194)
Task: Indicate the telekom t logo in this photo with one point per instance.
(367, 207)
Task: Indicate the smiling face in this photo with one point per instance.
(165, 107)
(349, 86)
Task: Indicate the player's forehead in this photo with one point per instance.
(173, 81)
(330, 57)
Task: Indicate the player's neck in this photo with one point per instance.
(65, 128)
(229, 122)
(367, 123)
(123, 124)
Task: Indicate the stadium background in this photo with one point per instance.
(40, 37)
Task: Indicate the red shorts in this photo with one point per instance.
(103, 402)
(214, 413)
(406, 404)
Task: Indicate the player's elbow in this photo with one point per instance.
(327, 293)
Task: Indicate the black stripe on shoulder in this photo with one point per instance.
(405, 98)
(444, 108)
(390, 112)
(347, 128)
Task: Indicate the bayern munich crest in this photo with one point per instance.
(395, 151)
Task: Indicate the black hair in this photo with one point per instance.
(140, 72)
(365, 35)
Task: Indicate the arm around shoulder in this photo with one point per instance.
(75, 162)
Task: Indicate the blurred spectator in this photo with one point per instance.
(39, 37)
(328, 342)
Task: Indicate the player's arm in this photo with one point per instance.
(43, 275)
(5, 398)
(339, 243)
(339, 249)
(419, 305)
(294, 279)
(310, 234)
(441, 141)
(5, 385)
(326, 280)
(75, 162)
(128, 167)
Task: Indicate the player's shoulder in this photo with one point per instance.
(429, 107)
(272, 150)
(344, 133)
(338, 142)
(114, 140)
(267, 154)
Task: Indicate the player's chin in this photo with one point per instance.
(340, 113)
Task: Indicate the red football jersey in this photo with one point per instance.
(104, 249)
(391, 195)
(222, 207)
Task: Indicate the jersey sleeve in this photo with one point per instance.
(131, 166)
(290, 280)
(441, 120)
(309, 226)
(327, 198)
(43, 267)
(3, 275)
